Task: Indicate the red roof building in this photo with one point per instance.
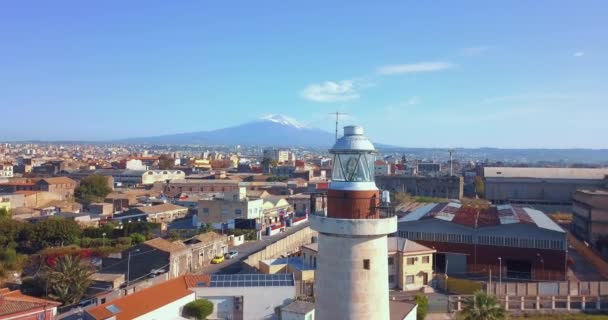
(16, 306)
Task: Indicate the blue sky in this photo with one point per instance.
(418, 74)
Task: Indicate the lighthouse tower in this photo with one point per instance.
(351, 280)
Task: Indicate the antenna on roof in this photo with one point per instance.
(338, 114)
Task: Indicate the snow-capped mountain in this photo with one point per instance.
(271, 130)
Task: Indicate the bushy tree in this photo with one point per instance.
(165, 162)
(53, 232)
(5, 213)
(423, 306)
(137, 238)
(482, 306)
(93, 188)
(68, 279)
(198, 309)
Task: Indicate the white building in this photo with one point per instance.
(6, 170)
(151, 176)
(382, 168)
(135, 164)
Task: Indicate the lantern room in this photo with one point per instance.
(352, 192)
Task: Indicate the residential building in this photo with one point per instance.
(437, 187)
(165, 212)
(512, 241)
(63, 186)
(152, 176)
(429, 169)
(298, 310)
(159, 256)
(280, 156)
(6, 170)
(176, 187)
(549, 189)
(230, 211)
(102, 208)
(590, 220)
(382, 168)
(410, 264)
(235, 296)
(16, 306)
(16, 200)
(135, 164)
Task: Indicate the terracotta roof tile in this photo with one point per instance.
(166, 246)
(15, 302)
(144, 301)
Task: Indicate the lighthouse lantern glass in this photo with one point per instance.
(353, 167)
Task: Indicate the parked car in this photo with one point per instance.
(217, 259)
(231, 254)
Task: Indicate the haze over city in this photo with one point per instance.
(464, 74)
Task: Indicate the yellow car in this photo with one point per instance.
(217, 259)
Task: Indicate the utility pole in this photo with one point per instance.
(338, 114)
(451, 151)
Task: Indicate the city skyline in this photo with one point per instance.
(415, 75)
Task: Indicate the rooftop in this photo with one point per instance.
(299, 307)
(246, 280)
(59, 180)
(160, 208)
(478, 218)
(545, 173)
(142, 302)
(12, 302)
(406, 246)
(164, 245)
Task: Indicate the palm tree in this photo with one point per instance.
(68, 279)
(482, 306)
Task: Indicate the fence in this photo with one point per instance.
(289, 244)
(547, 289)
(520, 303)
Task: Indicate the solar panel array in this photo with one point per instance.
(251, 280)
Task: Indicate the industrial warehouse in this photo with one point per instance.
(506, 240)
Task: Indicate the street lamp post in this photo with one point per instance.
(542, 261)
(500, 270)
(129, 266)
(103, 239)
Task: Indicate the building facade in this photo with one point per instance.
(225, 213)
(590, 219)
(437, 187)
(515, 242)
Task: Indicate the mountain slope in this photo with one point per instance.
(272, 130)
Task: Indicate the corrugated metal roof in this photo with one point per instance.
(416, 215)
(542, 221)
(545, 173)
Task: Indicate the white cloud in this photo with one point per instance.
(414, 67)
(332, 91)
(412, 101)
(579, 54)
(474, 51)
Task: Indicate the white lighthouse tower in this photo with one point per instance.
(351, 280)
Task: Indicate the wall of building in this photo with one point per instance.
(420, 269)
(288, 315)
(440, 187)
(168, 311)
(151, 176)
(536, 190)
(258, 302)
(220, 211)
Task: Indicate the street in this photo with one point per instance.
(236, 265)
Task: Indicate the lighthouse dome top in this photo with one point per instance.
(353, 141)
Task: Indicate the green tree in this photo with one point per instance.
(93, 188)
(5, 213)
(165, 162)
(53, 232)
(480, 186)
(137, 238)
(423, 306)
(12, 231)
(482, 306)
(68, 279)
(198, 309)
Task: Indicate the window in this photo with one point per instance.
(366, 264)
(410, 261)
(391, 278)
(224, 211)
(206, 210)
(391, 261)
(426, 259)
(237, 211)
(409, 279)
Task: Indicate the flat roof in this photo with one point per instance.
(546, 173)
